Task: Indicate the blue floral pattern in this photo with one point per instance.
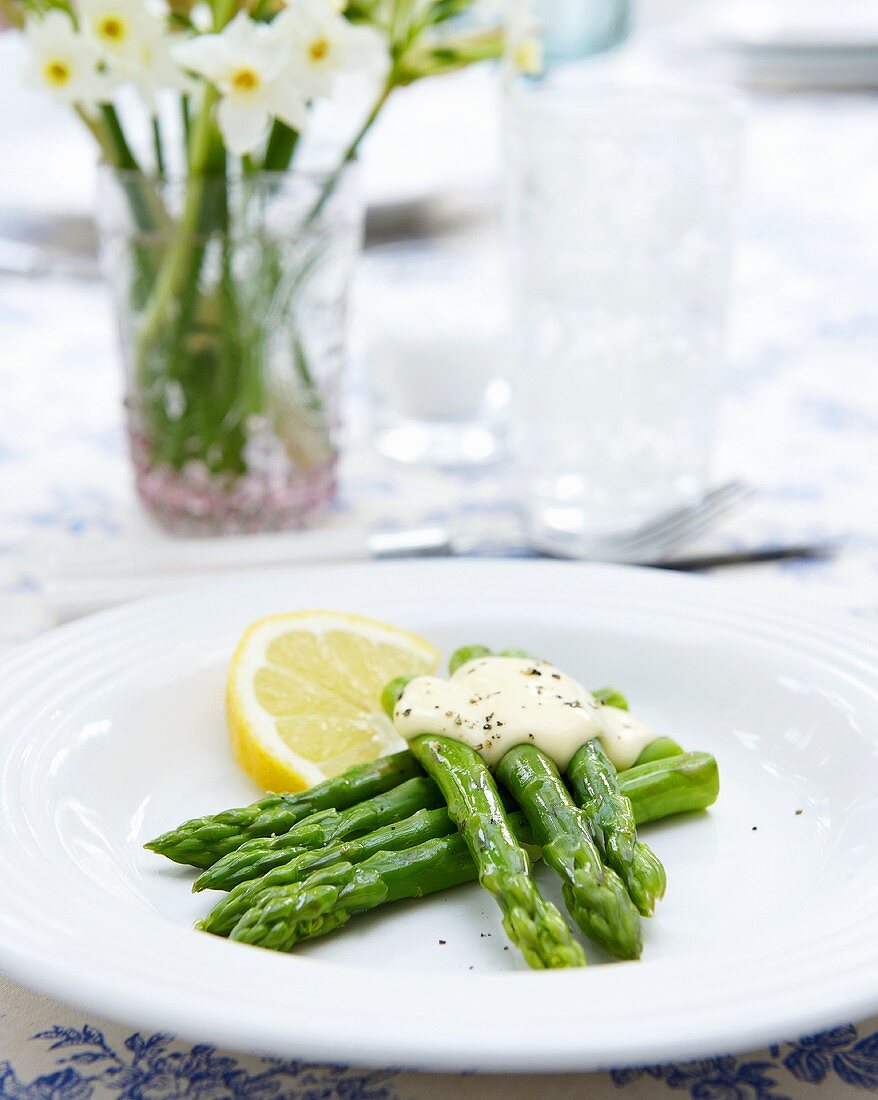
(155, 1067)
(149, 1068)
(710, 1079)
(839, 1051)
(813, 1060)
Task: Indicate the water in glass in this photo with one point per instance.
(619, 217)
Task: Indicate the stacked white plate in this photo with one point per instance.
(790, 44)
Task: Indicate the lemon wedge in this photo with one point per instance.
(303, 694)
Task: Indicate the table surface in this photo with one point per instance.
(799, 419)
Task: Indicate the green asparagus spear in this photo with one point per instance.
(473, 652)
(420, 827)
(689, 782)
(466, 653)
(396, 837)
(661, 789)
(391, 693)
(685, 783)
(256, 857)
(611, 697)
(659, 749)
(283, 916)
(610, 818)
(532, 923)
(674, 785)
(595, 896)
(203, 840)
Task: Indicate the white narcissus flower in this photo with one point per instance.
(324, 44)
(524, 46)
(249, 64)
(201, 17)
(64, 63)
(132, 38)
(157, 70)
(527, 56)
(119, 29)
(487, 13)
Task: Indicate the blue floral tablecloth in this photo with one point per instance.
(800, 419)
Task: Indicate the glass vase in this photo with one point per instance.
(231, 297)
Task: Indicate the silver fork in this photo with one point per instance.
(647, 544)
(656, 538)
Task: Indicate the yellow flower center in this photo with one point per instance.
(318, 49)
(245, 80)
(112, 29)
(57, 72)
(528, 57)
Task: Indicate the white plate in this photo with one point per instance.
(112, 730)
(795, 25)
(781, 44)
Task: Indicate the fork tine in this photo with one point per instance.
(673, 520)
(688, 527)
(666, 532)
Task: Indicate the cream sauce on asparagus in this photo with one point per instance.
(493, 703)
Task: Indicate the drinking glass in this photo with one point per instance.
(619, 218)
(435, 347)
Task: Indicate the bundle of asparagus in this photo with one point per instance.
(297, 866)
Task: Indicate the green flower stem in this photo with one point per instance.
(143, 200)
(158, 147)
(176, 270)
(223, 11)
(351, 152)
(95, 127)
(282, 142)
(124, 157)
(186, 119)
(420, 60)
(189, 334)
(205, 154)
(146, 206)
(194, 337)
